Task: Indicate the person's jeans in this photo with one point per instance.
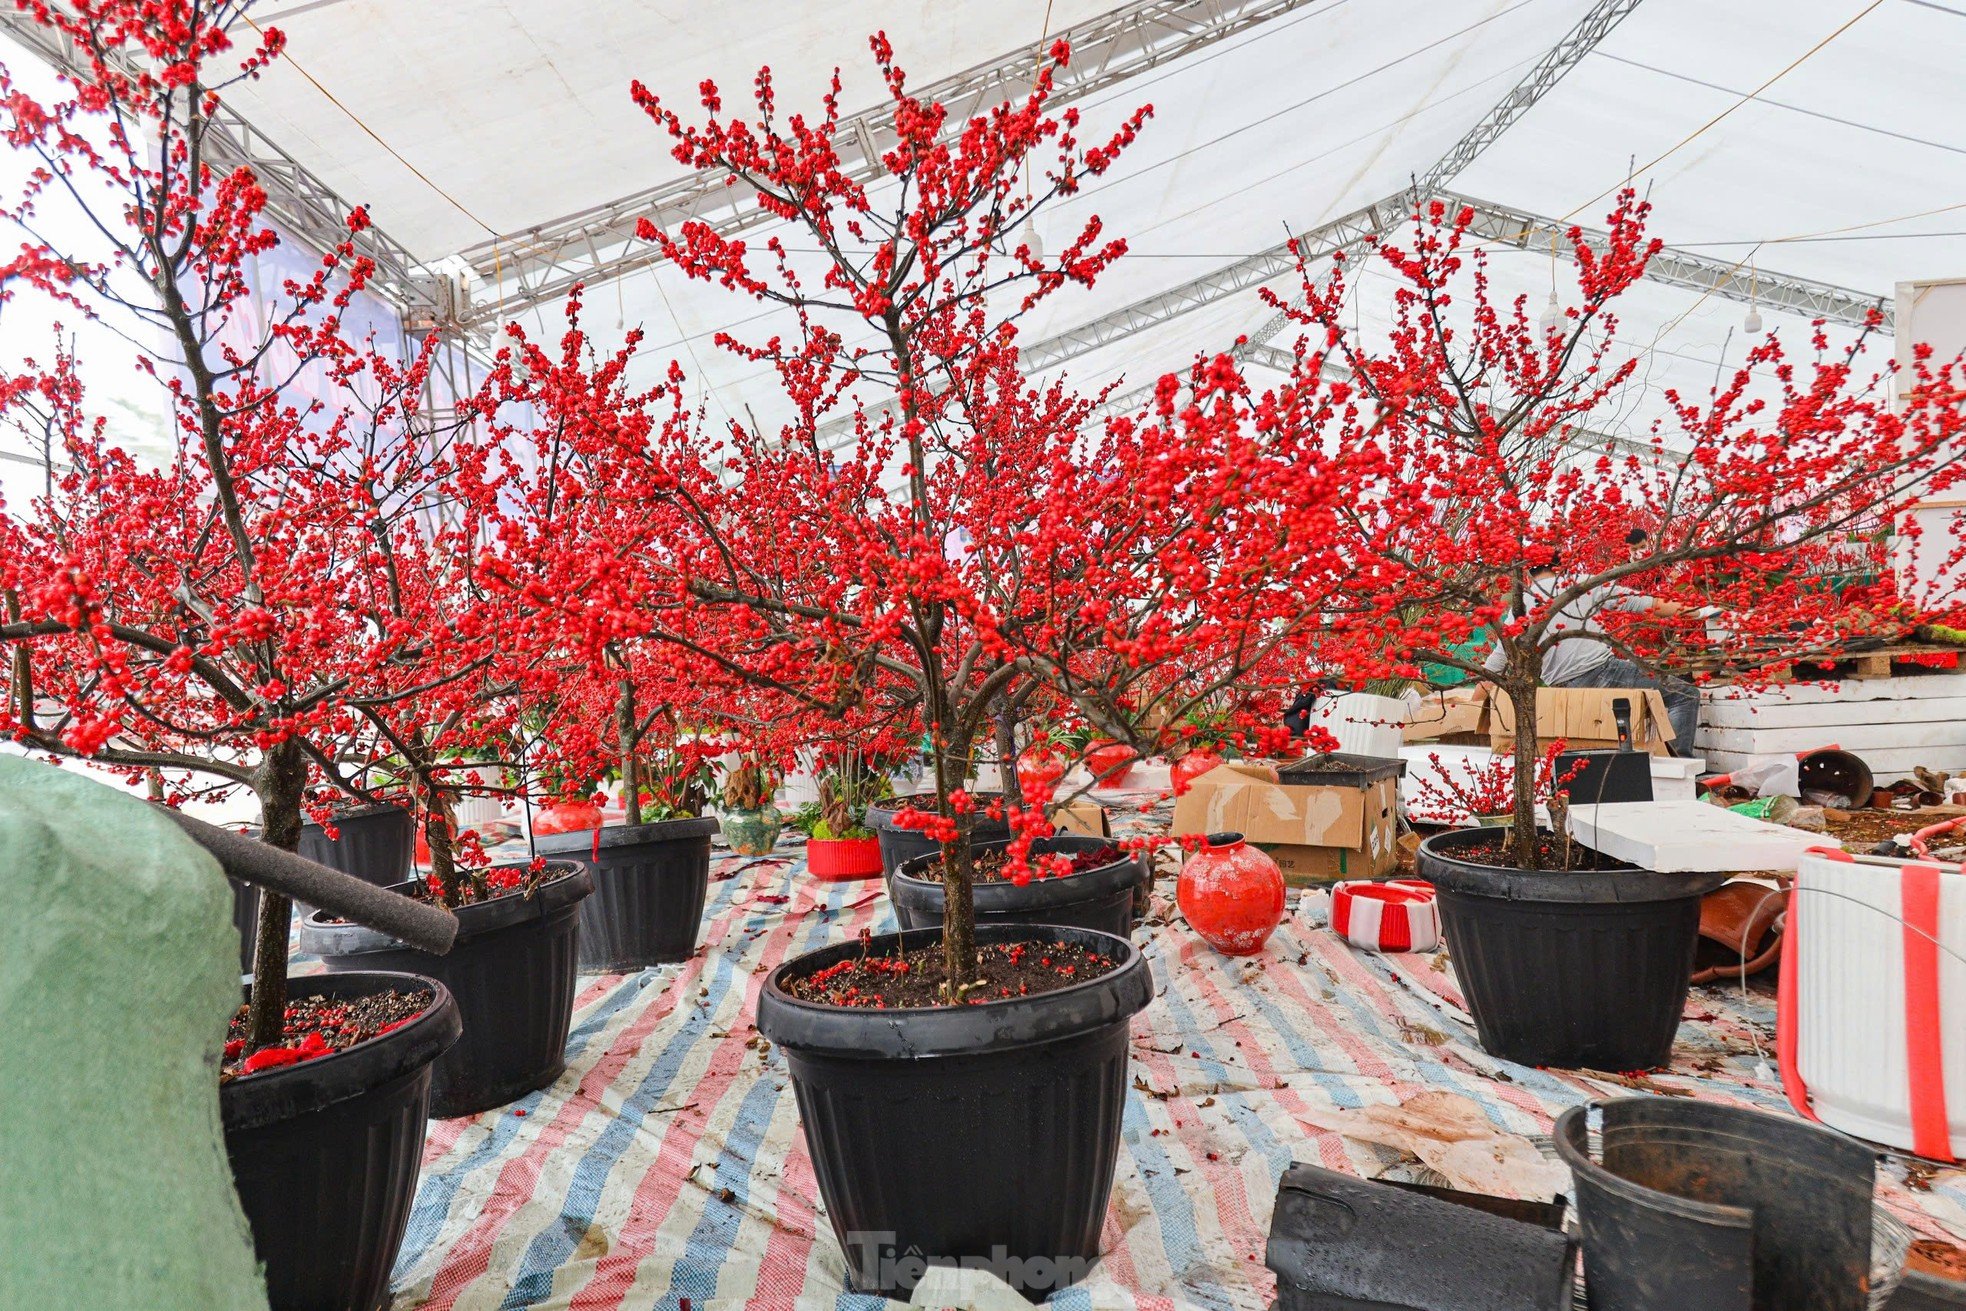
(1681, 697)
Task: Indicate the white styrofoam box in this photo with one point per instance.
(1675, 778)
(1677, 837)
(1848, 1009)
(1421, 767)
(474, 811)
(1364, 724)
(1895, 724)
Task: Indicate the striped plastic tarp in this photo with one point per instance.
(666, 1168)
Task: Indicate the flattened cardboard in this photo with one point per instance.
(1087, 817)
(1457, 716)
(1582, 718)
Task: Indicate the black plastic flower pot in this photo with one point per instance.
(1101, 899)
(650, 882)
(904, 844)
(1923, 1292)
(1692, 1204)
(512, 973)
(1013, 1110)
(1567, 968)
(1341, 1242)
(375, 843)
(325, 1153)
(245, 921)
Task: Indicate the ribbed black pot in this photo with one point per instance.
(650, 882)
(375, 845)
(1101, 899)
(1575, 969)
(325, 1153)
(1012, 1112)
(904, 844)
(512, 973)
(245, 921)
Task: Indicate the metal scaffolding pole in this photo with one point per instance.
(598, 244)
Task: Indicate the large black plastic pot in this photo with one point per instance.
(325, 1153)
(899, 845)
(1575, 969)
(650, 881)
(375, 845)
(1693, 1204)
(512, 974)
(1101, 899)
(245, 921)
(1009, 1113)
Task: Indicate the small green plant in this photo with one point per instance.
(841, 811)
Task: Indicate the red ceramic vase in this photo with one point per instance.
(1231, 894)
(1107, 761)
(1191, 767)
(1038, 774)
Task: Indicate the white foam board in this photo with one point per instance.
(1683, 836)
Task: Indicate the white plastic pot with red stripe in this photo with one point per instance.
(1873, 978)
(1398, 915)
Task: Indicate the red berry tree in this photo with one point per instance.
(928, 534)
(293, 574)
(1482, 505)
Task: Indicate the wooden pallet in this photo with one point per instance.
(1904, 658)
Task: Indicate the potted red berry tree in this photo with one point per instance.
(983, 533)
(1489, 509)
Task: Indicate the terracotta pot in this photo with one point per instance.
(1109, 762)
(1231, 894)
(1191, 767)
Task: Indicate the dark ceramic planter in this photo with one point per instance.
(512, 975)
(325, 1154)
(1101, 899)
(1019, 1100)
(650, 883)
(1574, 969)
(375, 844)
(904, 844)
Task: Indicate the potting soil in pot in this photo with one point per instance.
(991, 866)
(319, 1026)
(1017, 969)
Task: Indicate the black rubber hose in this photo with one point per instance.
(417, 923)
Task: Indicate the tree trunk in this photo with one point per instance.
(281, 783)
(958, 886)
(624, 738)
(1013, 790)
(1524, 676)
(439, 830)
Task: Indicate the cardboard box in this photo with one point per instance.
(1582, 718)
(1457, 716)
(1317, 833)
(1087, 817)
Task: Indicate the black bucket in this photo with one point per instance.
(1015, 1107)
(1711, 1207)
(1340, 1243)
(1578, 969)
(650, 883)
(1101, 899)
(376, 844)
(1923, 1292)
(512, 974)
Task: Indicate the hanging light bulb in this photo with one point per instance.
(1029, 236)
(1752, 323)
(1552, 315)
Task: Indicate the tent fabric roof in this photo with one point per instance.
(1823, 138)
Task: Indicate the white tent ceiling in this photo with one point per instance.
(1838, 154)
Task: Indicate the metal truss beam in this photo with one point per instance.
(1804, 297)
(1565, 55)
(303, 207)
(594, 245)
